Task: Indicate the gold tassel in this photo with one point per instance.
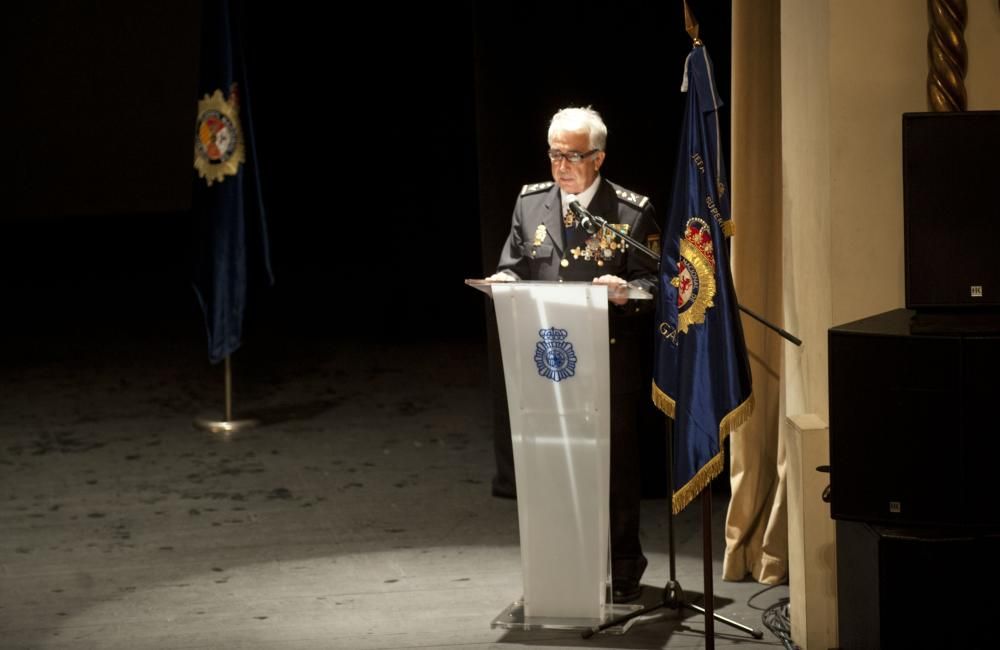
(663, 401)
(736, 418)
(698, 482)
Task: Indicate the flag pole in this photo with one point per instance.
(229, 425)
(229, 390)
(691, 25)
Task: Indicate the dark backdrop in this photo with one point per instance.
(392, 148)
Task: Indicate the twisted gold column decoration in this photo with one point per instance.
(947, 55)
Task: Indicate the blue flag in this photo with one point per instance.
(230, 225)
(701, 373)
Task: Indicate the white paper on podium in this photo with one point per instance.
(554, 343)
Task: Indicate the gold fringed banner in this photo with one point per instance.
(701, 341)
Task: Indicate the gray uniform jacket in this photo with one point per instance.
(539, 243)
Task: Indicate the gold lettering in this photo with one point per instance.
(668, 332)
(699, 163)
(710, 204)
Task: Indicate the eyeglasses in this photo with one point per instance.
(570, 156)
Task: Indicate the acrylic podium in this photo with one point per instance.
(554, 345)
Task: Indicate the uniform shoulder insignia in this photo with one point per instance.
(534, 188)
(638, 200)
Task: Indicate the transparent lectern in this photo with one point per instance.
(554, 344)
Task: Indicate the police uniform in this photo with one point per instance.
(546, 244)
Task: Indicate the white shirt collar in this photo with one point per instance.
(584, 197)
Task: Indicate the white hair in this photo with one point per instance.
(575, 120)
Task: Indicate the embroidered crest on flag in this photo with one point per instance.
(218, 139)
(695, 279)
(554, 355)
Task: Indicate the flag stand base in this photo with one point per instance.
(229, 425)
(225, 427)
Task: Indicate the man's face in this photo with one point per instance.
(574, 178)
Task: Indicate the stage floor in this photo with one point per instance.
(358, 515)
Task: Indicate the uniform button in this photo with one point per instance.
(533, 253)
(612, 341)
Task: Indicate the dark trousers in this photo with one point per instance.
(626, 486)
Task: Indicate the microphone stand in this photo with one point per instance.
(591, 223)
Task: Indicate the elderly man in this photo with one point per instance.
(546, 242)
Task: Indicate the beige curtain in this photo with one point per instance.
(756, 528)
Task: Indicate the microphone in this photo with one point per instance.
(587, 221)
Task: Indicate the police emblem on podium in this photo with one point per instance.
(554, 355)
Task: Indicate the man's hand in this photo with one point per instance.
(619, 297)
(501, 277)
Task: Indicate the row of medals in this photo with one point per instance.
(598, 247)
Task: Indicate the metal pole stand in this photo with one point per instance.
(229, 425)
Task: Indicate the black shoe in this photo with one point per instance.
(503, 490)
(625, 590)
(625, 576)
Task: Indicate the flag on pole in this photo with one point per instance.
(701, 373)
(230, 226)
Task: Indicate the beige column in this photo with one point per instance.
(812, 551)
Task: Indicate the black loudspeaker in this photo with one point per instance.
(951, 163)
(904, 588)
(914, 426)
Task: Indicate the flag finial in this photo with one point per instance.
(691, 25)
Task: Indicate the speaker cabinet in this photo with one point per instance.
(951, 221)
(915, 588)
(914, 427)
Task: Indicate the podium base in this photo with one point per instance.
(513, 618)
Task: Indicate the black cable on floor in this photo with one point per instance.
(764, 591)
(777, 619)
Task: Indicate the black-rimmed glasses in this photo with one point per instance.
(570, 156)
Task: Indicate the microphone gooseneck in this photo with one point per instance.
(587, 220)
